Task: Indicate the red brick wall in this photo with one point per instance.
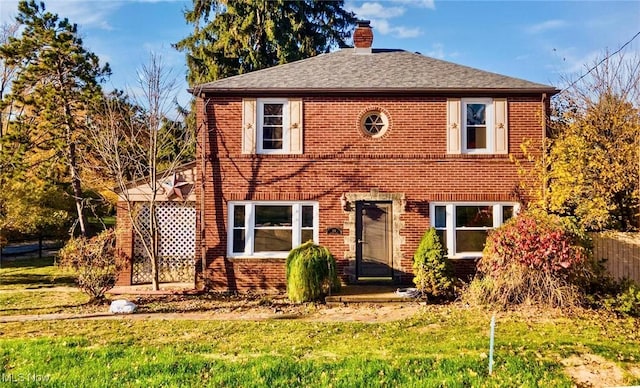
(411, 159)
(124, 244)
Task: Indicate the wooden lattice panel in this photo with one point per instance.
(176, 247)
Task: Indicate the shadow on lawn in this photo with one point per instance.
(25, 271)
(27, 262)
(56, 308)
(36, 281)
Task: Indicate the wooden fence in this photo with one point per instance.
(621, 252)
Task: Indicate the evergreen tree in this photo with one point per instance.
(56, 83)
(232, 37)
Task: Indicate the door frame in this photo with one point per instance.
(358, 237)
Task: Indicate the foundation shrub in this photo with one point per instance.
(311, 273)
(621, 297)
(93, 262)
(626, 301)
(534, 258)
(431, 269)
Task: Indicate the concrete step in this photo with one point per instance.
(368, 294)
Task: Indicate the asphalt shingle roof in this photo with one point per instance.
(380, 70)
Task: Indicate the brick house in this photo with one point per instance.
(360, 150)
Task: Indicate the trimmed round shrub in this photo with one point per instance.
(431, 269)
(311, 273)
(536, 258)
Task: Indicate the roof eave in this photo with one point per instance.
(360, 91)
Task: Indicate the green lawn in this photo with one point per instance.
(439, 346)
(36, 286)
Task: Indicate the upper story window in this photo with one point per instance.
(477, 134)
(271, 126)
(374, 123)
(477, 126)
(463, 227)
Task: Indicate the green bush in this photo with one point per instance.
(627, 302)
(311, 273)
(93, 261)
(431, 269)
(621, 297)
(535, 258)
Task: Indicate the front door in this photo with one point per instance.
(374, 240)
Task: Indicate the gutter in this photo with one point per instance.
(371, 91)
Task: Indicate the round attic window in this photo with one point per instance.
(374, 123)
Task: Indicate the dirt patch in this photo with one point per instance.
(260, 307)
(365, 313)
(590, 370)
(235, 307)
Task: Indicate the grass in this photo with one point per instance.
(37, 286)
(440, 346)
(32, 273)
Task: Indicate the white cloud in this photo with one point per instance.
(430, 4)
(382, 26)
(88, 14)
(547, 25)
(572, 62)
(438, 51)
(377, 11)
(404, 32)
(380, 16)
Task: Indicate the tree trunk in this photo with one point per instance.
(76, 184)
(153, 232)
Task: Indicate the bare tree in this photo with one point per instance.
(130, 140)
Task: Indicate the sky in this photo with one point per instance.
(540, 41)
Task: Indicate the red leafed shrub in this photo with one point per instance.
(536, 241)
(533, 258)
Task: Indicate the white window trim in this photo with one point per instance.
(451, 218)
(490, 123)
(286, 135)
(249, 222)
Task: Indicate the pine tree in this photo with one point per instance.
(55, 85)
(233, 37)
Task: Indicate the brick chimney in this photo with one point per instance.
(363, 37)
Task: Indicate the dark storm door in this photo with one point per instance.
(373, 240)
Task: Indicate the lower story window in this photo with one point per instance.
(463, 227)
(270, 229)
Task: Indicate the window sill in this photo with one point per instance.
(479, 152)
(274, 153)
(243, 258)
(465, 257)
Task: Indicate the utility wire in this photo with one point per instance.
(600, 63)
